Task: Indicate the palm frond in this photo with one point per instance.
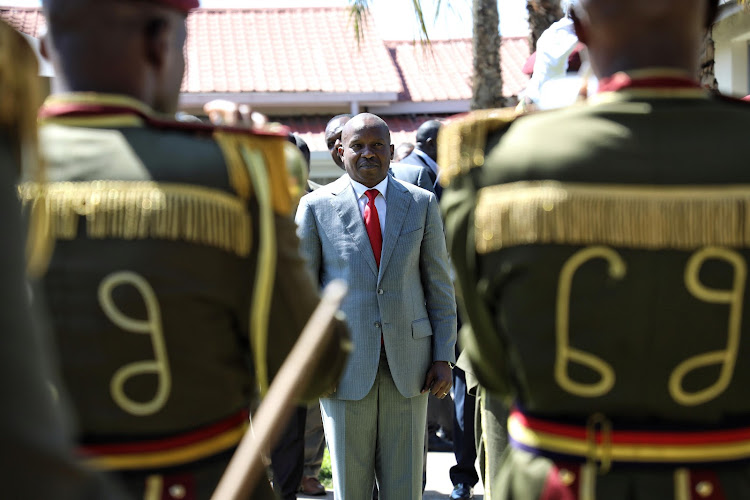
(360, 11)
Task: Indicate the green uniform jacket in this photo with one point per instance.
(175, 287)
(602, 255)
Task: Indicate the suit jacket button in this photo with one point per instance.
(380, 291)
(377, 324)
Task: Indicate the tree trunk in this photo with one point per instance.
(542, 13)
(487, 81)
(707, 75)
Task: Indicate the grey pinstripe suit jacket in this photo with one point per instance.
(410, 298)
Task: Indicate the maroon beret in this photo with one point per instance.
(183, 5)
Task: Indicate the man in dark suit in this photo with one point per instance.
(175, 257)
(425, 152)
(385, 238)
(602, 259)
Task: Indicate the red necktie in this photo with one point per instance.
(372, 223)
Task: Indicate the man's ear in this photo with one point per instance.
(392, 151)
(157, 35)
(340, 150)
(578, 25)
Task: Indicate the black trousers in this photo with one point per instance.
(288, 456)
(464, 446)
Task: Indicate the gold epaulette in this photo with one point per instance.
(461, 143)
(271, 167)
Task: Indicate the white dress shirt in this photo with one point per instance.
(362, 199)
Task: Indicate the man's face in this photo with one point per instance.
(367, 152)
(333, 139)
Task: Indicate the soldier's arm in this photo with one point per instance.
(295, 297)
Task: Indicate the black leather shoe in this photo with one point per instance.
(462, 491)
(436, 443)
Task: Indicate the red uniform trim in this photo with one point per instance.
(622, 81)
(637, 437)
(74, 110)
(165, 444)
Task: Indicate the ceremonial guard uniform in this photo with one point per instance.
(175, 277)
(602, 255)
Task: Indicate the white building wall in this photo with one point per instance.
(732, 36)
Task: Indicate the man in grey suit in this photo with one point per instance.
(385, 237)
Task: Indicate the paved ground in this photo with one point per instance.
(438, 482)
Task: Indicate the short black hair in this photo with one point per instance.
(337, 117)
(303, 147)
(713, 11)
(428, 130)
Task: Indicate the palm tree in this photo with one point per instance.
(487, 78)
(707, 76)
(542, 13)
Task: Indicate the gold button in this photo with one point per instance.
(704, 489)
(566, 477)
(177, 491)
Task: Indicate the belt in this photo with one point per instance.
(167, 452)
(599, 442)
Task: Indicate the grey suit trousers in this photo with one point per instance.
(369, 434)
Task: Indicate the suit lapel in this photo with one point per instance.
(345, 203)
(397, 206)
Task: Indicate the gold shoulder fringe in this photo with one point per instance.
(461, 143)
(272, 149)
(142, 210)
(642, 217)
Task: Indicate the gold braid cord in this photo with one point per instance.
(139, 210)
(461, 143)
(257, 165)
(20, 98)
(643, 217)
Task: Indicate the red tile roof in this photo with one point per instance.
(285, 50)
(314, 50)
(443, 71)
(26, 20)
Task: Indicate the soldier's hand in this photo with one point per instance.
(328, 393)
(223, 112)
(439, 379)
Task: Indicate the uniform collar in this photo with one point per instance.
(78, 104)
(649, 83)
(651, 78)
(95, 110)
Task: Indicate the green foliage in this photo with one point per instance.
(360, 10)
(326, 475)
